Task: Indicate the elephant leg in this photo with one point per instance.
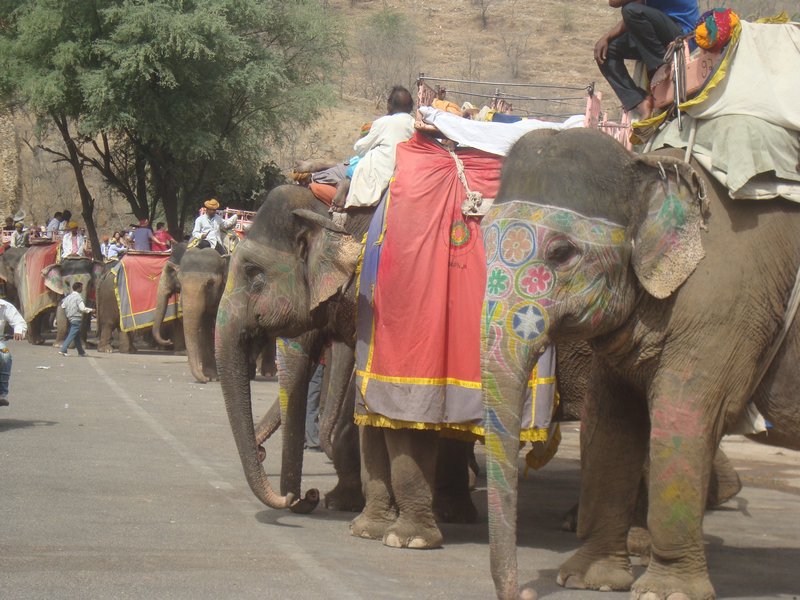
(452, 502)
(126, 345)
(681, 453)
(338, 434)
(724, 483)
(35, 327)
(613, 449)
(178, 339)
(62, 326)
(412, 456)
(208, 358)
(380, 511)
(104, 334)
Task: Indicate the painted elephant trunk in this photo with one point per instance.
(163, 293)
(503, 397)
(232, 357)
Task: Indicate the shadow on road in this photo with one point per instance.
(9, 424)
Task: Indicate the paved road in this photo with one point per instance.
(120, 479)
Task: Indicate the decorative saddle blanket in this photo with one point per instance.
(421, 289)
(136, 278)
(34, 296)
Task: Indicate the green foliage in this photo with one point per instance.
(192, 89)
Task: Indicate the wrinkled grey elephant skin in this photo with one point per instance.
(681, 293)
(293, 277)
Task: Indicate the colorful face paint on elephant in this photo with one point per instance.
(544, 264)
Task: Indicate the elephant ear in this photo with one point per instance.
(666, 239)
(52, 278)
(331, 255)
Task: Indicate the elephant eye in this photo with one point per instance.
(255, 276)
(560, 251)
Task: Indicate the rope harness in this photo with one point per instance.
(475, 205)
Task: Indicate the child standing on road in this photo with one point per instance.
(8, 314)
(74, 308)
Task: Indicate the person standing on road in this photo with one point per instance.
(74, 308)
(9, 314)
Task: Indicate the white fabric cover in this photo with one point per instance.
(763, 78)
(495, 138)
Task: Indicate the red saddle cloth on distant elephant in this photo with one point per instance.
(421, 290)
(136, 278)
(34, 296)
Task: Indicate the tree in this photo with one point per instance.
(388, 53)
(164, 98)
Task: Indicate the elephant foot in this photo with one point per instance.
(105, 349)
(591, 571)
(346, 498)
(569, 522)
(660, 583)
(722, 489)
(306, 504)
(454, 508)
(639, 544)
(372, 528)
(404, 534)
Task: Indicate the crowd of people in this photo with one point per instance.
(208, 232)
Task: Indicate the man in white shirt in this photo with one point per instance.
(74, 309)
(377, 150)
(53, 225)
(207, 227)
(19, 239)
(8, 314)
(72, 244)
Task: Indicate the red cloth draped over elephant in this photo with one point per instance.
(421, 291)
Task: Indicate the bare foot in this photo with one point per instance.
(645, 108)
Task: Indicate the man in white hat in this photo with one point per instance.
(207, 227)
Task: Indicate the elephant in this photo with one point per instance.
(9, 260)
(682, 295)
(199, 276)
(293, 276)
(59, 277)
(108, 319)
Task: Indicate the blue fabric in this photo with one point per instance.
(685, 12)
(74, 335)
(351, 166)
(5, 369)
(504, 118)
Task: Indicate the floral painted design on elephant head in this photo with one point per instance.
(550, 263)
